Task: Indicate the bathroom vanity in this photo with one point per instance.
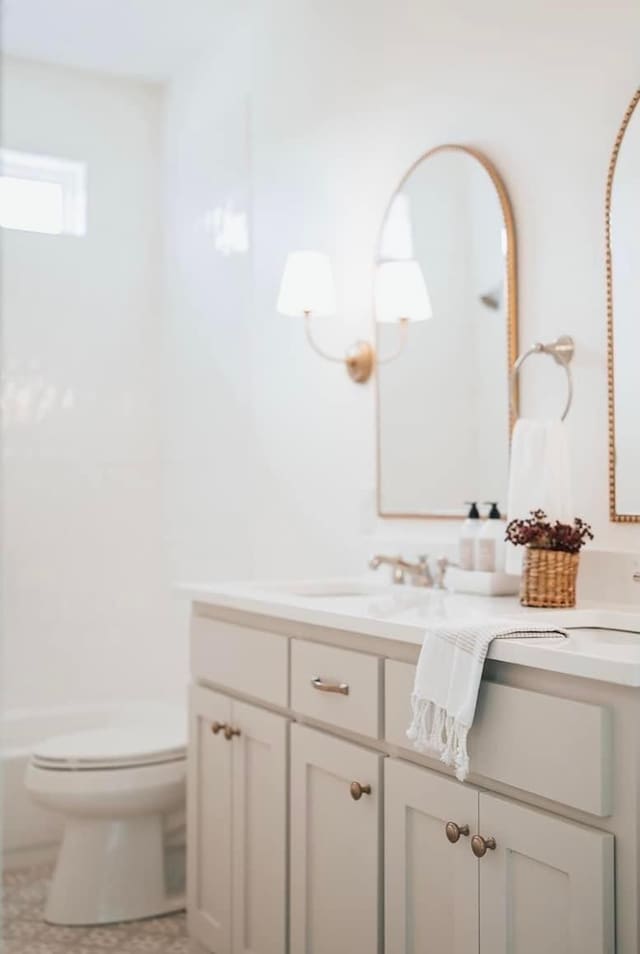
(314, 827)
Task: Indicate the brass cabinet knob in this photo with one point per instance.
(357, 790)
(229, 732)
(218, 727)
(454, 831)
(480, 845)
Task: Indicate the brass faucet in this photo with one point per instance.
(419, 572)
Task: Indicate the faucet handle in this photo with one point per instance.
(442, 563)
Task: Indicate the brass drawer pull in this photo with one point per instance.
(218, 727)
(229, 732)
(357, 790)
(454, 831)
(479, 845)
(321, 686)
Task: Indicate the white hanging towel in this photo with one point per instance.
(447, 683)
(539, 477)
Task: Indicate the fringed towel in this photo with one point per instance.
(448, 680)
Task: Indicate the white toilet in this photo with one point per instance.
(115, 786)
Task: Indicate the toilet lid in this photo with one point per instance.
(112, 748)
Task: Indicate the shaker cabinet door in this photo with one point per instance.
(335, 845)
(546, 886)
(259, 831)
(209, 822)
(431, 876)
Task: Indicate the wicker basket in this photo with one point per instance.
(549, 578)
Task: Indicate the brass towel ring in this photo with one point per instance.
(561, 350)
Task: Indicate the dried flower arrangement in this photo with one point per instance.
(539, 533)
(551, 558)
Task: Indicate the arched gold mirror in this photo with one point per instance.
(623, 318)
(443, 404)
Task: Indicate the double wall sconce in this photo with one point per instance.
(307, 291)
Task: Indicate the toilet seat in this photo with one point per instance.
(111, 748)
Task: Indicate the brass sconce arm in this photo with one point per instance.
(403, 324)
(359, 359)
(316, 347)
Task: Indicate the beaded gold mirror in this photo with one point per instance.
(443, 409)
(623, 318)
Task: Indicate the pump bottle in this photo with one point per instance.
(490, 545)
(467, 540)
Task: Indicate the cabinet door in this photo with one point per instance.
(547, 885)
(209, 822)
(259, 831)
(335, 846)
(431, 884)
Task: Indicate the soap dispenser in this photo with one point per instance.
(467, 541)
(490, 545)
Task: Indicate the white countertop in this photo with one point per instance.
(603, 641)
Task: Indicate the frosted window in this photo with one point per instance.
(42, 194)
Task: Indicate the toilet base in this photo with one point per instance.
(110, 870)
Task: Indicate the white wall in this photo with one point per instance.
(247, 454)
(209, 475)
(343, 97)
(87, 612)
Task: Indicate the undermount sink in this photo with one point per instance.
(331, 589)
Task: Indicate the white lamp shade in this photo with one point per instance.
(307, 285)
(400, 291)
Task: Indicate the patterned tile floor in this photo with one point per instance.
(25, 932)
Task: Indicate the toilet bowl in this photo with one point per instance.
(115, 788)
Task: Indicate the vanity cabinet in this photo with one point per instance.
(547, 886)
(336, 849)
(541, 884)
(208, 822)
(431, 885)
(314, 828)
(237, 826)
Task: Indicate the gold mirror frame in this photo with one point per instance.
(614, 516)
(511, 301)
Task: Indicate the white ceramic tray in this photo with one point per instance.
(484, 584)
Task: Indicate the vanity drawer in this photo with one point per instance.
(337, 686)
(552, 747)
(240, 658)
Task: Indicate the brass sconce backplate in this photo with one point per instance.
(359, 360)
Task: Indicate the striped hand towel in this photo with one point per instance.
(447, 683)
